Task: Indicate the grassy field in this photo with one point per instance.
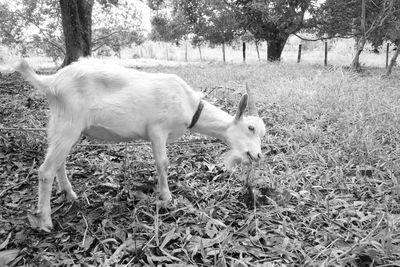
(326, 193)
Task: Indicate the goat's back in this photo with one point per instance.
(116, 100)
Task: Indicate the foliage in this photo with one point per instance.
(325, 194)
(168, 29)
(220, 22)
(36, 26)
(157, 4)
(192, 13)
(272, 21)
(116, 26)
(222, 25)
(390, 30)
(201, 20)
(340, 18)
(269, 19)
(33, 26)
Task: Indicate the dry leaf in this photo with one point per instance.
(6, 256)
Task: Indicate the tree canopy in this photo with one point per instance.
(220, 22)
(365, 20)
(272, 20)
(341, 18)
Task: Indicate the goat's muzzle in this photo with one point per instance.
(252, 157)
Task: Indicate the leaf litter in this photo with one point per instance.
(295, 211)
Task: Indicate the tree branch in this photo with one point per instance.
(98, 47)
(95, 42)
(346, 36)
(41, 31)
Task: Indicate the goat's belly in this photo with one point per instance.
(104, 134)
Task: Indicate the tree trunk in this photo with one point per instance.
(393, 61)
(76, 16)
(223, 53)
(275, 48)
(355, 64)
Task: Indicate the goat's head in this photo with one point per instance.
(245, 133)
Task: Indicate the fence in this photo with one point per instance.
(333, 52)
(326, 54)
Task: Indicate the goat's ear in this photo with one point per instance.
(241, 108)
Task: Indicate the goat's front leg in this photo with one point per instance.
(160, 156)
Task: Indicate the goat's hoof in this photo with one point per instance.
(164, 200)
(165, 197)
(69, 196)
(164, 204)
(38, 222)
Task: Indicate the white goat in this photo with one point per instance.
(113, 103)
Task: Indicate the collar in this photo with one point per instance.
(197, 114)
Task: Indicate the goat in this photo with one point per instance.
(113, 103)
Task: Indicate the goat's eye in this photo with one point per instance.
(251, 128)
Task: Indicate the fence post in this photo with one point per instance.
(186, 51)
(244, 52)
(299, 54)
(387, 55)
(166, 51)
(201, 57)
(223, 53)
(258, 51)
(326, 54)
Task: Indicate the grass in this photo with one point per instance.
(327, 192)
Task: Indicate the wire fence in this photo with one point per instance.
(332, 52)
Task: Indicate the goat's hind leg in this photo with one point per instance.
(60, 145)
(160, 156)
(64, 186)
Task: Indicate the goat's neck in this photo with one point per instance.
(213, 122)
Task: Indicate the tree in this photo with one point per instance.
(355, 64)
(37, 25)
(192, 14)
(203, 20)
(222, 27)
(392, 34)
(272, 20)
(364, 20)
(166, 29)
(382, 16)
(40, 17)
(77, 27)
(116, 26)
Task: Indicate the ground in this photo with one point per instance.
(326, 193)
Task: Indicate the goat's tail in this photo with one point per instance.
(38, 81)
